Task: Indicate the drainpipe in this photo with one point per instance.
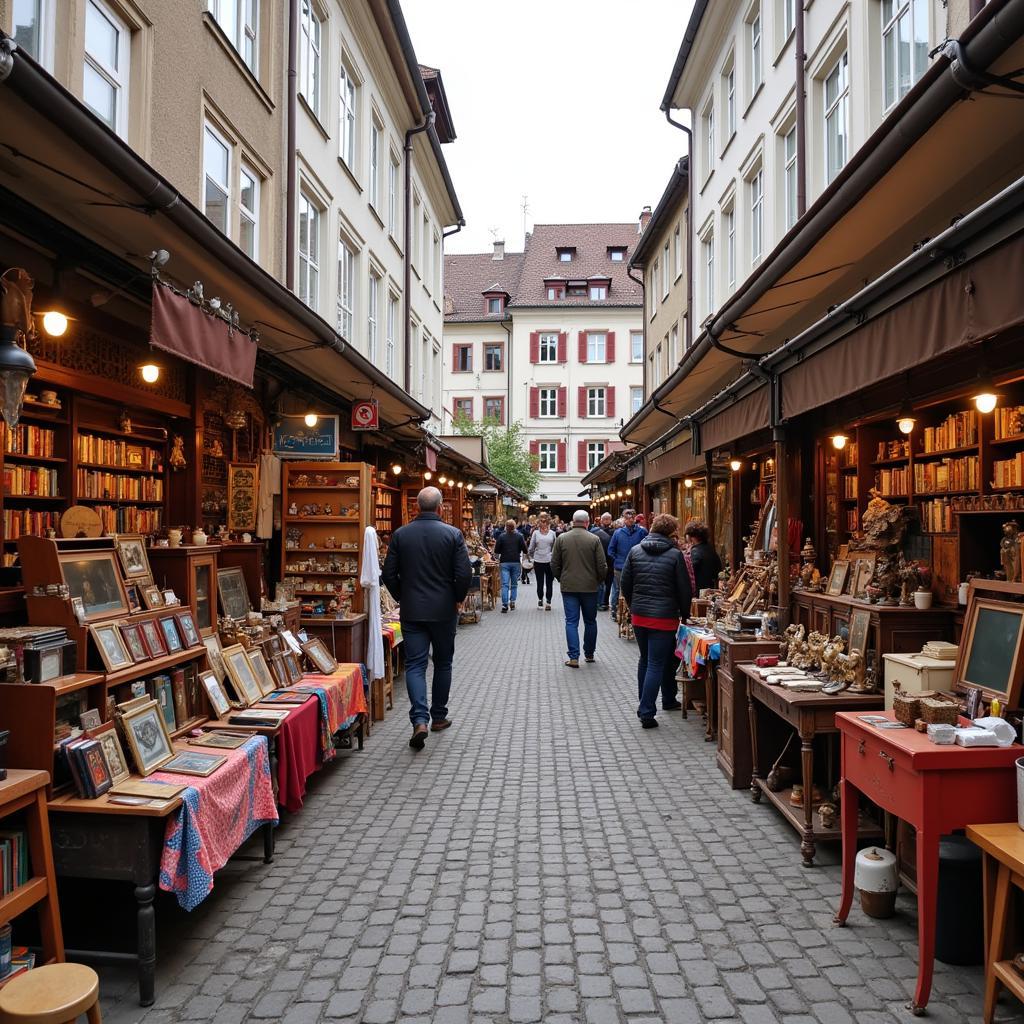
(801, 112)
(643, 323)
(508, 376)
(689, 225)
(407, 239)
(293, 110)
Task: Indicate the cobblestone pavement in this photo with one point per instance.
(543, 860)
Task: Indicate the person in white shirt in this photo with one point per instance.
(542, 542)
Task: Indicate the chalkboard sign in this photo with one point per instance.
(991, 655)
(294, 439)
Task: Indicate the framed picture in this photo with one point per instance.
(96, 765)
(170, 598)
(172, 638)
(837, 577)
(294, 668)
(289, 638)
(113, 753)
(90, 719)
(294, 440)
(844, 552)
(215, 692)
(280, 670)
(111, 645)
(233, 593)
(151, 596)
(274, 645)
(164, 693)
(187, 627)
(153, 637)
(134, 642)
(262, 671)
(220, 740)
(863, 570)
(194, 762)
(214, 656)
(134, 596)
(322, 659)
(94, 577)
(78, 610)
(147, 737)
(241, 674)
(243, 479)
(860, 627)
(131, 550)
(991, 654)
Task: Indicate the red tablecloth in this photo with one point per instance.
(298, 753)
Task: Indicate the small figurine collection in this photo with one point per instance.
(326, 510)
(322, 480)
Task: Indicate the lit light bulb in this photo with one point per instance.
(428, 475)
(442, 479)
(470, 486)
(55, 323)
(906, 424)
(735, 465)
(460, 485)
(687, 482)
(839, 441)
(311, 419)
(150, 372)
(397, 469)
(985, 401)
(629, 492)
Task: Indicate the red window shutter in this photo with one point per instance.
(583, 346)
(534, 403)
(534, 346)
(609, 347)
(561, 456)
(535, 448)
(609, 401)
(563, 344)
(455, 358)
(581, 456)
(562, 395)
(581, 404)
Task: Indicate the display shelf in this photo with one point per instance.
(1015, 439)
(324, 487)
(192, 723)
(866, 828)
(118, 501)
(969, 449)
(300, 572)
(21, 898)
(21, 456)
(897, 461)
(321, 551)
(112, 468)
(323, 519)
(132, 435)
(153, 667)
(35, 497)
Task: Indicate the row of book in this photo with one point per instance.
(31, 481)
(852, 517)
(849, 486)
(29, 440)
(962, 474)
(89, 772)
(177, 691)
(893, 481)
(1008, 472)
(128, 519)
(118, 453)
(19, 521)
(1008, 422)
(848, 457)
(937, 516)
(958, 430)
(893, 450)
(14, 861)
(94, 483)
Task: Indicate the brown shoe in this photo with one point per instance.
(441, 725)
(573, 663)
(419, 737)
(590, 659)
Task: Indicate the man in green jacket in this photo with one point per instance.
(579, 565)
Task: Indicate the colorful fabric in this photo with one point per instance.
(392, 633)
(217, 815)
(342, 700)
(696, 647)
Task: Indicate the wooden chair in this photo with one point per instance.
(52, 994)
(625, 623)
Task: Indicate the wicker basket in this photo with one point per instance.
(935, 711)
(906, 708)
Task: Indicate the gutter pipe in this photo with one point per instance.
(643, 321)
(689, 224)
(292, 114)
(801, 111)
(428, 122)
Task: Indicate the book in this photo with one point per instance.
(181, 710)
(152, 790)
(165, 698)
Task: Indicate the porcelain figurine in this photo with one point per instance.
(177, 457)
(293, 509)
(1009, 551)
(328, 509)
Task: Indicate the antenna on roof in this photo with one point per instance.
(494, 233)
(526, 210)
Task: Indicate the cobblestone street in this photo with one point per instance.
(544, 860)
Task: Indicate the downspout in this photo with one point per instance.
(293, 110)
(643, 324)
(689, 224)
(801, 112)
(508, 376)
(407, 245)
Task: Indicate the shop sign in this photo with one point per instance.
(293, 439)
(366, 415)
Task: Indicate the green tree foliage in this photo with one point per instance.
(507, 455)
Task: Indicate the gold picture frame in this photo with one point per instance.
(241, 673)
(322, 659)
(131, 552)
(837, 577)
(147, 736)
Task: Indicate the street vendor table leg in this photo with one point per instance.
(710, 682)
(848, 824)
(927, 896)
(995, 942)
(755, 775)
(272, 752)
(807, 762)
(268, 843)
(145, 923)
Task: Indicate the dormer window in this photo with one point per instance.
(494, 301)
(617, 254)
(555, 292)
(494, 305)
(566, 253)
(598, 293)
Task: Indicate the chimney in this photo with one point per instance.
(645, 219)
(499, 250)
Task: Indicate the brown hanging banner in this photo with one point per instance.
(185, 330)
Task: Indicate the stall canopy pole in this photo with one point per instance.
(782, 521)
(709, 498)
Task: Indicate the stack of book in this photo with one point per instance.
(1008, 472)
(89, 770)
(14, 861)
(28, 440)
(947, 475)
(1009, 422)
(21, 961)
(31, 481)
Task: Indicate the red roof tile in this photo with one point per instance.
(468, 275)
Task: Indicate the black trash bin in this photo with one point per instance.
(959, 926)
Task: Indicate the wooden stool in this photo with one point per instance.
(54, 994)
(624, 620)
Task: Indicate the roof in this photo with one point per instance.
(439, 101)
(671, 202)
(468, 275)
(689, 37)
(591, 242)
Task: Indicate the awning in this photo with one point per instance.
(742, 417)
(676, 462)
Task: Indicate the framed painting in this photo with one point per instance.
(860, 629)
(991, 654)
(131, 550)
(837, 577)
(262, 671)
(323, 661)
(215, 692)
(233, 593)
(94, 577)
(111, 645)
(243, 483)
(147, 736)
(240, 672)
(113, 752)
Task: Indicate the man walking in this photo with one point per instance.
(624, 539)
(509, 547)
(602, 530)
(579, 565)
(427, 571)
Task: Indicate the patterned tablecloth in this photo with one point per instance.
(342, 699)
(696, 647)
(217, 815)
(392, 633)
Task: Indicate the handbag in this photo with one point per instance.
(527, 562)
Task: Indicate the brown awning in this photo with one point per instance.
(970, 303)
(678, 461)
(744, 416)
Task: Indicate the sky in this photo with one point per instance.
(555, 100)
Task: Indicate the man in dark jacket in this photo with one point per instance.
(702, 556)
(509, 547)
(603, 531)
(624, 539)
(427, 571)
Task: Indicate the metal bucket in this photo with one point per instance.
(1020, 791)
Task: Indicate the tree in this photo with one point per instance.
(507, 455)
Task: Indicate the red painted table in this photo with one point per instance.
(935, 789)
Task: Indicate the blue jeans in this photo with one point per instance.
(657, 647)
(509, 582)
(419, 638)
(573, 604)
(613, 597)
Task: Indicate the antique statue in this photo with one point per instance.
(883, 523)
(887, 581)
(829, 655)
(177, 457)
(125, 421)
(793, 636)
(816, 645)
(853, 670)
(1009, 551)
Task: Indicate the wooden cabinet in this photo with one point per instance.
(191, 572)
(345, 638)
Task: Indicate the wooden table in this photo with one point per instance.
(935, 789)
(1003, 848)
(811, 715)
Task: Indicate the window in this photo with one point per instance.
(595, 402)
(677, 266)
(636, 346)
(106, 72)
(494, 352)
(654, 375)
(548, 348)
(565, 254)
(494, 305)
(346, 289)
(393, 195)
(425, 238)
(347, 117)
(547, 401)
(729, 223)
(665, 279)
(435, 395)
(547, 452)
(309, 57)
(425, 366)
(756, 183)
(652, 289)
(789, 173)
(31, 27)
(216, 178)
(617, 255)
(596, 347)
(372, 300)
(309, 251)
(414, 256)
(595, 453)
(598, 292)
(463, 358)
(636, 400)
(389, 335)
(673, 351)
(554, 293)
(376, 141)
(904, 46)
(755, 72)
(462, 407)
(249, 212)
(436, 254)
(837, 98)
(238, 20)
(729, 91)
(707, 247)
(494, 409)
(709, 138)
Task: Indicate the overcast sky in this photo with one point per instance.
(556, 100)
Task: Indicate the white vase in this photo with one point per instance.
(923, 598)
(199, 536)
